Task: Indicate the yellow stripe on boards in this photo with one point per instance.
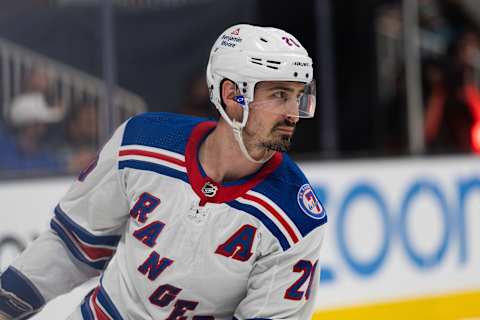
(457, 306)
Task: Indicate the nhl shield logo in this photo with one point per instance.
(308, 202)
(209, 190)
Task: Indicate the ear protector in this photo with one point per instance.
(240, 100)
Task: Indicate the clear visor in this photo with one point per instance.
(288, 102)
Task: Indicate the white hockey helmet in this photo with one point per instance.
(246, 55)
(249, 54)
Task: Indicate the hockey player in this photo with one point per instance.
(188, 219)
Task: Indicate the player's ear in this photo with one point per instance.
(229, 90)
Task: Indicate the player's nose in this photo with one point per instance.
(292, 119)
(291, 110)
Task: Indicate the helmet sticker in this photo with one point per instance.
(301, 64)
(230, 41)
(309, 203)
(240, 100)
(290, 42)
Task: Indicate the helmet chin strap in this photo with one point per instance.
(237, 133)
(238, 130)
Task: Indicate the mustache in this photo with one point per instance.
(285, 123)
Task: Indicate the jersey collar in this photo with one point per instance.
(209, 190)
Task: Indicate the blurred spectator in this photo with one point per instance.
(36, 102)
(198, 102)
(452, 97)
(433, 19)
(24, 149)
(449, 48)
(27, 146)
(446, 19)
(81, 136)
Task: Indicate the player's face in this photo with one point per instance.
(273, 115)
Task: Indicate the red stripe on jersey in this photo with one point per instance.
(95, 253)
(100, 315)
(92, 253)
(283, 222)
(151, 154)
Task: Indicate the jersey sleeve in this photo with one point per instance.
(83, 236)
(284, 285)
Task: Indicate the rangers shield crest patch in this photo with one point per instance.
(308, 202)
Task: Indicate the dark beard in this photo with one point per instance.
(280, 143)
(283, 144)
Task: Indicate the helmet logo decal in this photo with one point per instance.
(209, 190)
(236, 32)
(301, 64)
(240, 100)
(290, 42)
(230, 41)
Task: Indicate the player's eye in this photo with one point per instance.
(302, 96)
(280, 94)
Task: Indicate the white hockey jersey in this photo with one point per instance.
(172, 244)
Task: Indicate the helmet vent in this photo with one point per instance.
(264, 40)
(272, 64)
(256, 61)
